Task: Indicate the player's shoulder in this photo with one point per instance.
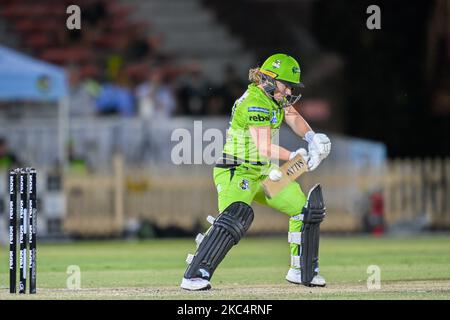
(256, 101)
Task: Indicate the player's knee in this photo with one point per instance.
(289, 203)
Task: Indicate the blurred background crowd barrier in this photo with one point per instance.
(412, 195)
(409, 195)
(126, 183)
(95, 109)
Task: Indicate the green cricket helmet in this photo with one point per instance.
(283, 68)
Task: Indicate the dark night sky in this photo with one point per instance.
(386, 95)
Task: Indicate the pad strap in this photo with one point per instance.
(295, 237)
(295, 261)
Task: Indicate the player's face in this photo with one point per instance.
(281, 91)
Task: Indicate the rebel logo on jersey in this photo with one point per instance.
(258, 118)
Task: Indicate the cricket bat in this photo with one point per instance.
(290, 171)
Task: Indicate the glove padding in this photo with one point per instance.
(302, 152)
(319, 146)
(312, 159)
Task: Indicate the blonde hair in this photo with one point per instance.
(254, 75)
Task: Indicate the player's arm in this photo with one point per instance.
(296, 122)
(262, 139)
(319, 144)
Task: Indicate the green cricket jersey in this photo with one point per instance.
(253, 108)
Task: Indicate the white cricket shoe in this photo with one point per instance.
(195, 284)
(295, 276)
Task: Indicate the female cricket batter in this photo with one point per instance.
(246, 161)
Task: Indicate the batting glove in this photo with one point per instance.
(314, 160)
(301, 152)
(318, 144)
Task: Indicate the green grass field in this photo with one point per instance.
(411, 268)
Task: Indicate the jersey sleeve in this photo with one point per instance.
(253, 111)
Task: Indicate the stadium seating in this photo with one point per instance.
(41, 27)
